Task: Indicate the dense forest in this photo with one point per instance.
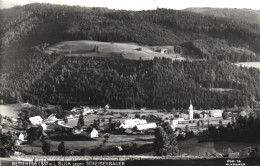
(29, 73)
(159, 83)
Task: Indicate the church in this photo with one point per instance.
(190, 111)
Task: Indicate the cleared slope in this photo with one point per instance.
(107, 49)
(249, 64)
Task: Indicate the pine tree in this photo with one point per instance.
(46, 147)
(173, 147)
(161, 143)
(61, 148)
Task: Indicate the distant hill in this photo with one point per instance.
(244, 15)
(28, 26)
(7, 4)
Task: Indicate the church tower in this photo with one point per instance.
(190, 111)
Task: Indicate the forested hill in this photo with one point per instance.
(245, 15)
(28, 72)
(33, 24)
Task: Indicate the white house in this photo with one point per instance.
(146, 126)
(36, 120)
(164, 51)
(131, 123)
(94, 133)
(76, 110)
(51, 118)
(44, 126)
(21, 137)
(76, 131)
(216, 113)
(86, 110)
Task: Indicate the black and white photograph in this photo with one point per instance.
(129, 83)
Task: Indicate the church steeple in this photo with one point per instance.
(190, 111)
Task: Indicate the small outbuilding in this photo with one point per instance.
(146, 126)
(94, 133)
(21, 137)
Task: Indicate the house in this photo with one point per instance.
(51, 118)
(44, 126)
(131, 123)
(76, 131)
(36, 120)
(21, 137)
(204, 114)
(26, 104)
(216, 113)
(164, 51)
(146, 126)
(86, 110)
(94, 133)
(243, 113)
(75, 110)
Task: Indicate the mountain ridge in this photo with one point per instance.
(244, 14)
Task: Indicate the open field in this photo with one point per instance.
(10, 110)
(220, 89)
(192, 147)
(249, 64)
(86, 48)
(114, 140)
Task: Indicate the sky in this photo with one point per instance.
(151, 4)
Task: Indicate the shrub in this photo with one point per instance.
(224, 115)
(196, 116)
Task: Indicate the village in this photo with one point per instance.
(104, 131)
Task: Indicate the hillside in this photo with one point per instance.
(244, 15)
(249, 64)
(86, 48)
(24, 27)
(94, 56)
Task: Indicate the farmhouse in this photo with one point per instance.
(164, 51)
(51, 118)
(131, 123)
(94, 133)
(86, 110)
(146, 126)
(36, 120)
(216, 113)
(76, 131)
(75, 110)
